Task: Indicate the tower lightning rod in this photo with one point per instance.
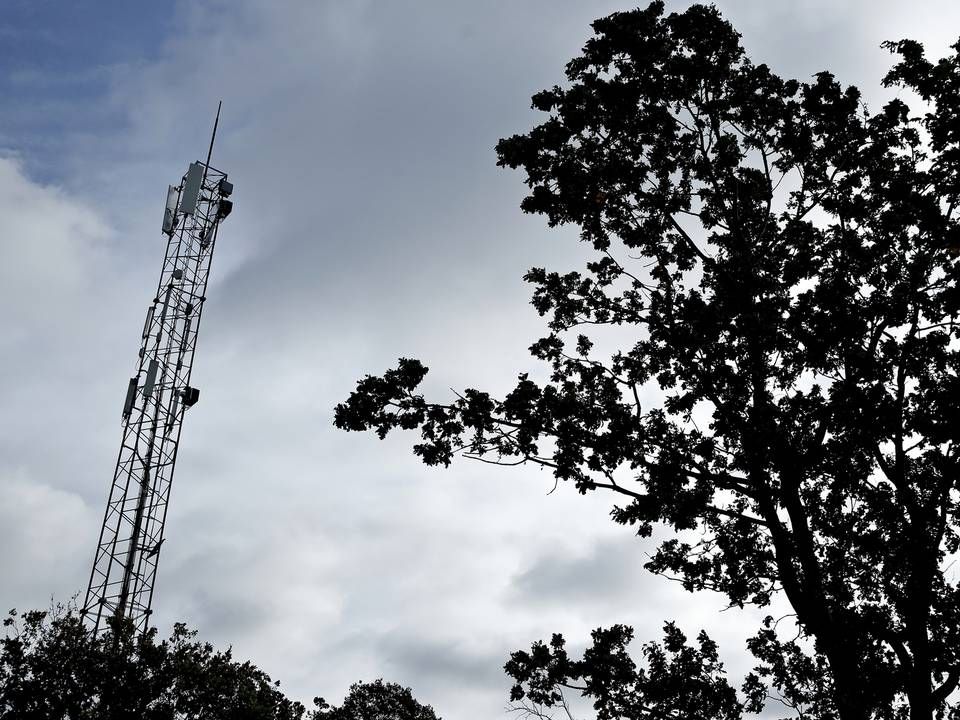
(125, 564)
(213, 135)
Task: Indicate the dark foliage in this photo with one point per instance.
(376, 701)
(52, 668)
(678, 681)
(782, 263)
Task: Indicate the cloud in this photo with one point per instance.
(56, 282)
(607, 574)
(53, 249)
(437, 664)
(59, 286)
(44, 534)
(370, 222)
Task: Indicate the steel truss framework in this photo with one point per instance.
(125, 565)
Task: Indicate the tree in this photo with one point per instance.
(376, 701)
(784, 263)
(679, 681)
(52, 668)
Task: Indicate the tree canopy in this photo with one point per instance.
(376, 701)
(779, 265)
(53, 668)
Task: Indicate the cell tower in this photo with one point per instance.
(125, 565)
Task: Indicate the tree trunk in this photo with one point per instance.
(919, 684)
(851, 702)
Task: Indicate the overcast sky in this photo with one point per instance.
(370, 223)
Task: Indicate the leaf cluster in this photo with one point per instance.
(676, 680)
(53, 668)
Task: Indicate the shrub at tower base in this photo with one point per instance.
(786, 408)
(52, 668)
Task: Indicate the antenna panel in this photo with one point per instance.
(191, 188)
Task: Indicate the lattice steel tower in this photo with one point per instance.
(125, 565)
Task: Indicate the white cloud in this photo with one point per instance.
(52, 256)
(43, 532)
(56, 285)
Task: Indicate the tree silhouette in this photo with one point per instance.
(53, 668)
(678, 681)
(779, 265)
(375, 701)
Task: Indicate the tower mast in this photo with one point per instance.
(125, 565)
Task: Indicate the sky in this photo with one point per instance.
(370, 223)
